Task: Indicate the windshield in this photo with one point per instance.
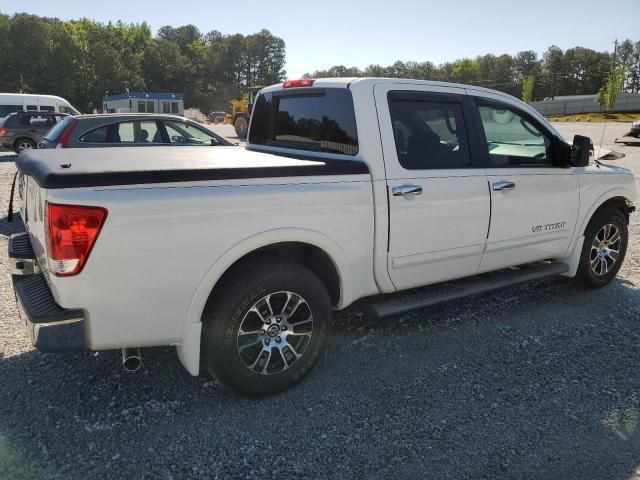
(68, 110)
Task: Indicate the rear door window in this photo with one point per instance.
(318, 120)
(40, 122)
(429, 132)
(8, 109)
(137, 132)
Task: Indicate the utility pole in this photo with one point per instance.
(615, 51)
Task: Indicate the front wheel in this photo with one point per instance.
(265, 326)
(604, 249)
(242, 126)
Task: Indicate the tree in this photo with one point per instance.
(464, 71)
(608, 93)
(525, 64)
(552, 70)
(527, 88)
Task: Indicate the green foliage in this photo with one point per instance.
(608, 93)
(577, 71)
(83, 60)
(527, 88)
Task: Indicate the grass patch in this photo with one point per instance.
(627, 117)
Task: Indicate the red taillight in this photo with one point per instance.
(71, 231)
(3, 132)
(304, 82)
(63, 141)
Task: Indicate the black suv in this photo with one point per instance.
(24, 130)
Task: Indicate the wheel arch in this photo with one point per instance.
(23, 137)
(609, 200)
(612, 198)
(311, 248)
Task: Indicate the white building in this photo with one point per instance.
(144, 102)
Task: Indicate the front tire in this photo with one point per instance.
(604, 248)
(265, 326)
(242, 126)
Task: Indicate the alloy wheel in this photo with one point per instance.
(275, 333)
(605, 249)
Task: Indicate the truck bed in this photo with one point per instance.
(93, 167)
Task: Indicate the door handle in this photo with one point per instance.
(407, 191)
(498, 186)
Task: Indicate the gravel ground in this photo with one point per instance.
(535, 381)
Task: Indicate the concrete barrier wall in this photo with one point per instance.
(626, 102)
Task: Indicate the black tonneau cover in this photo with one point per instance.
(95, 167)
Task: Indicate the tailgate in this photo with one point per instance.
(31, 207)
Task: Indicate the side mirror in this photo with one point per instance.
(581, 150)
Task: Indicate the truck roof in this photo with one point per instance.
(348, 82)
(94, 167)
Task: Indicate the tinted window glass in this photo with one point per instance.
(174, 107)
(99, 135)
(68, 110)
(57, 130)
(47, 108)
(24, 120)
(7, 109)
(183, 133)
(322, 120)
(40, 121)
(137, 132)
(429, 134)
(512, 140)
(32, 107)
(166, 107)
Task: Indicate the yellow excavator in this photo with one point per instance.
(241, 112)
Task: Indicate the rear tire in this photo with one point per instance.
(604, 248)
(265, 326)
(241, 125)
(23, 144)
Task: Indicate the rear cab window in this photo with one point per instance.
(319, 119)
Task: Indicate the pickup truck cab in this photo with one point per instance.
(379, 190)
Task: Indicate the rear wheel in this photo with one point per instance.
(604, 249)
(265, 326)
(241, 125)
(23, 144)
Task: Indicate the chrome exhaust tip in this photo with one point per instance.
(131, 359)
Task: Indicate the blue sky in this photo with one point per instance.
(358, 33)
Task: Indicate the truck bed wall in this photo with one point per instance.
(162, 246)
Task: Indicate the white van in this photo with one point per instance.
(13, 102)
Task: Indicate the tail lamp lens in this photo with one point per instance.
(63, 141)
(71, 231)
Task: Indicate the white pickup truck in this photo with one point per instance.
(400, 193)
